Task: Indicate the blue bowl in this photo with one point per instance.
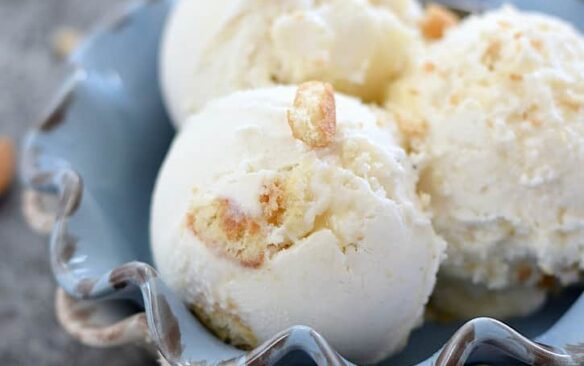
(99, 150)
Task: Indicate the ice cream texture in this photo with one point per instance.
(258, 228)
(212, 49)
(455, 299)
(494, 115)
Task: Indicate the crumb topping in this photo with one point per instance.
(492, 54)
(273, 200)
(226, 325)
(6, 164)
(412, 128)
(312, 118)
(524, 273)
(429, 67)
(224, 226)
(436, 21)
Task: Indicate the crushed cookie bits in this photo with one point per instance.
(222, 225)
(6, 164)
(225, 227)
(64, 41)
(429, 67)
(226, 325)
(492, 54)
(412, 128)
(524, 273)
(273, 201)
(312, 118)
(515, 77)
(436, 21)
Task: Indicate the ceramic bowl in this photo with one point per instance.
(97, 154)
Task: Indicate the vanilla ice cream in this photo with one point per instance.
(495, 118)
(259, 231)
(212, 49)
(456, 298)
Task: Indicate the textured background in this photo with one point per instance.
(29, 74)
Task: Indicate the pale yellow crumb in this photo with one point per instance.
(436, 21)
(6, 164)
(64, 41)
(313, 117)
(223, 226)
(226, 326)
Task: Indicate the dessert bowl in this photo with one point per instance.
(97, 152)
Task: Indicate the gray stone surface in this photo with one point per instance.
(29, 73)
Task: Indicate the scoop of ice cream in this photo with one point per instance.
(275, 209)
(495, 117)
(211, 50)
(456, 299)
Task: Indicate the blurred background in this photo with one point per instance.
(35, 36)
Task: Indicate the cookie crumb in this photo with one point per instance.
(64, 41)
(225, 227)
(312, 118)
(273, 200)
(6, 164)
(436, 21)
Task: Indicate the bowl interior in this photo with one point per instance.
(112, 129)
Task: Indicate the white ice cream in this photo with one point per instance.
(259, 232)
(496, 115)
(212, 49)
(455, 299)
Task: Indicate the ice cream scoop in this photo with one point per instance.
(283, 206)
(458, 298)
(212, 49)
(495, 117)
